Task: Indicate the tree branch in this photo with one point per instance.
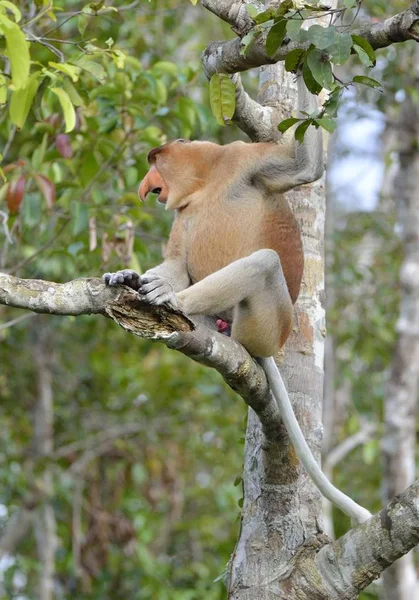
(159, 323)
(225, 57)
(253, 119)
(16, 529)
(233, 12)
(351, 563)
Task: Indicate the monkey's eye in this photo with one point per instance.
(182, 141)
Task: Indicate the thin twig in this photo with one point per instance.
(50, 47)
(77, 524)
(339, 452)
(5, 218)
(113, 433)
(106, 164)
(16, 321)
(30, 258)
(79, 12)
(9, 142)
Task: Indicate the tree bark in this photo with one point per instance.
(399, 440)
(45, 523)
(276, 490)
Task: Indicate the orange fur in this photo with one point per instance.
(221, 217)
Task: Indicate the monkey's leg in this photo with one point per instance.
(255, 286)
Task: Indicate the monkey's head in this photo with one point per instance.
(178, 170)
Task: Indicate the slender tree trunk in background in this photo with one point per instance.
(399, 440)
(45, 524)
(282, 508)
(329, 395)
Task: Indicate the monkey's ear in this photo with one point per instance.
(153, 182)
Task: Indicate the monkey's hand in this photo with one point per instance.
(157, 290)
(125, 277)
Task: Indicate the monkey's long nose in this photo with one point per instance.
(153, 182)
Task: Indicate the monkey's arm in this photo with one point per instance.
(174, 269)
(289, 164)
(160, 282)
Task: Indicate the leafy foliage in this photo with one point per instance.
(322, 47)
(159, 507)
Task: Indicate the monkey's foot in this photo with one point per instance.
(156, 290)
(125, 277)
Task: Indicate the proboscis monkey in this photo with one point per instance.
(235, 250)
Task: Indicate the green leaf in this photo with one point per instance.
(276, 37)
(67, 107)
(14, 9)
(82, 22)
(301, 130)
(165, 66)
(332, 103)
(321, 68)
(264, 16)
(39, 153)
(3, 89)
(311, 84)
(75, 97)
(340, 50)
(79, 217)
(18, 51)
(252, 11)
(284, 7)
(373, 83)
(363, 43)
(327, 124)
(32, 206)
(294, 29)
(287, 123)
(161, 92)
(69, 70)
(21, 101)
(187, 111)
(36, 104)
(246, 41)
(97, 5)
(364, 58)
(92, 67)
(321, 37)
(194, 2)
(222, 98)
(294, 59)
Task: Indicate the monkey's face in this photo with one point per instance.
(164, 161)
(178, 169)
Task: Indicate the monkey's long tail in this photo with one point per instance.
(329, 491)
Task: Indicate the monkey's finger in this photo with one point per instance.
(151, 277)
(153, 285)
(157, 298)
(116, 278)
(130, 274)
(106, 277)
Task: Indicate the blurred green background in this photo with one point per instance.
(144, 477)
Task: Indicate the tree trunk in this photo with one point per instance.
(45, 524)
(399, 440)
(282, 508)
